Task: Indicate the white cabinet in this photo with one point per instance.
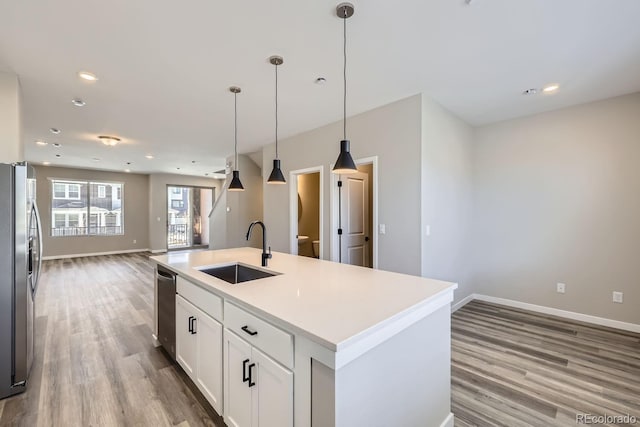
(258, 391)
(199, 350)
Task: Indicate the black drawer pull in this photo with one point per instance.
(194, 329)
(251, 382)
(191, 324)
(249, 331)
(245, 378)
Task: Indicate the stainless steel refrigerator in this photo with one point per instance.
(20, 265)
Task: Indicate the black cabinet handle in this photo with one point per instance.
(194, 326)
(245, 378)
(249, 331)
(251, 383)
(191, 324)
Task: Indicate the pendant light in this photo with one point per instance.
(276, 176)
(345, 163)
(235, 185)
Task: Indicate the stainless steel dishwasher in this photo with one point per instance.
(166, 285)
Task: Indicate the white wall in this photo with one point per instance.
(447, 144)
(157, 212)
(557, 199)
(392, 132)
(11, 144)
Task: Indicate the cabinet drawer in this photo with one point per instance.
(206, 301)
(273, 341)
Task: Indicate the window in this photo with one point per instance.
(177, 204)
(86, 208)
(66, 191)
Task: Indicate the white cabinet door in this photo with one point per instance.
(209, 359)
(186, 345)
(272, 399)
(237, 393)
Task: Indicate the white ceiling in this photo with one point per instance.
(165, 67)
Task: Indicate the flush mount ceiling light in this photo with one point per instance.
(127, 170)
(551, 88)
(235, 184)
(40, 142)
(46, 163)
(149, 156)
(54, 131)
(78, 102)
(276, 176)
(321, 81)
(85, 75)
(109, 140)
(345, 163)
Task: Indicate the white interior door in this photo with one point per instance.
(355, 219)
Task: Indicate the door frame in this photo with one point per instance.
(293, 208)
(166, 214)
(333, 206)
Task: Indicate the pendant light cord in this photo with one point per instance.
(276, 110)
(235, 122)
(344, 73)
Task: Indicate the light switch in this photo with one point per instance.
(382, 228)
(427, 230)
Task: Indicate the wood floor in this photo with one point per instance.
(512, 368)
(95, 364)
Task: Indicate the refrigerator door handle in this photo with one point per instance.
(39, 236)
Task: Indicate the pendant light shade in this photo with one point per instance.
(345, 163)
(236, 184)
(276, 176)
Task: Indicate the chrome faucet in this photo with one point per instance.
(265, 255)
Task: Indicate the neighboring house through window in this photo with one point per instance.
(80, 208)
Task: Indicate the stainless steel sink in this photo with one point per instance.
(236, 273)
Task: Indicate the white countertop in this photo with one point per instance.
(332, 304)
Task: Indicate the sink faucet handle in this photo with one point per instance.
(269, 251)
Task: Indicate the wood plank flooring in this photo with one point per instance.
(512, 368)
(95, 364)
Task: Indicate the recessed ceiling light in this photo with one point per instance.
(57, 144)
(95, 159)
(128, 163)
(46, 163)
(127, 170)
(85, 75)
(149, 156)
(78, 102)
(178, 168)
(54, 131)
(531, 91)
(206, 174)
(40, 142)
(193, 161)
(551, 88)
(321, 81)
(58, 155)
(109, 140)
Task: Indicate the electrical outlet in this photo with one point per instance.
(560, 288)
(135, 241)
(617, 297)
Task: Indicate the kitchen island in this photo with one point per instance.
(317, 344)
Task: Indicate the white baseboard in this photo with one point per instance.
(464, 301)
(158, 251)
(448, 422)
(632, 327)
(127, 251)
